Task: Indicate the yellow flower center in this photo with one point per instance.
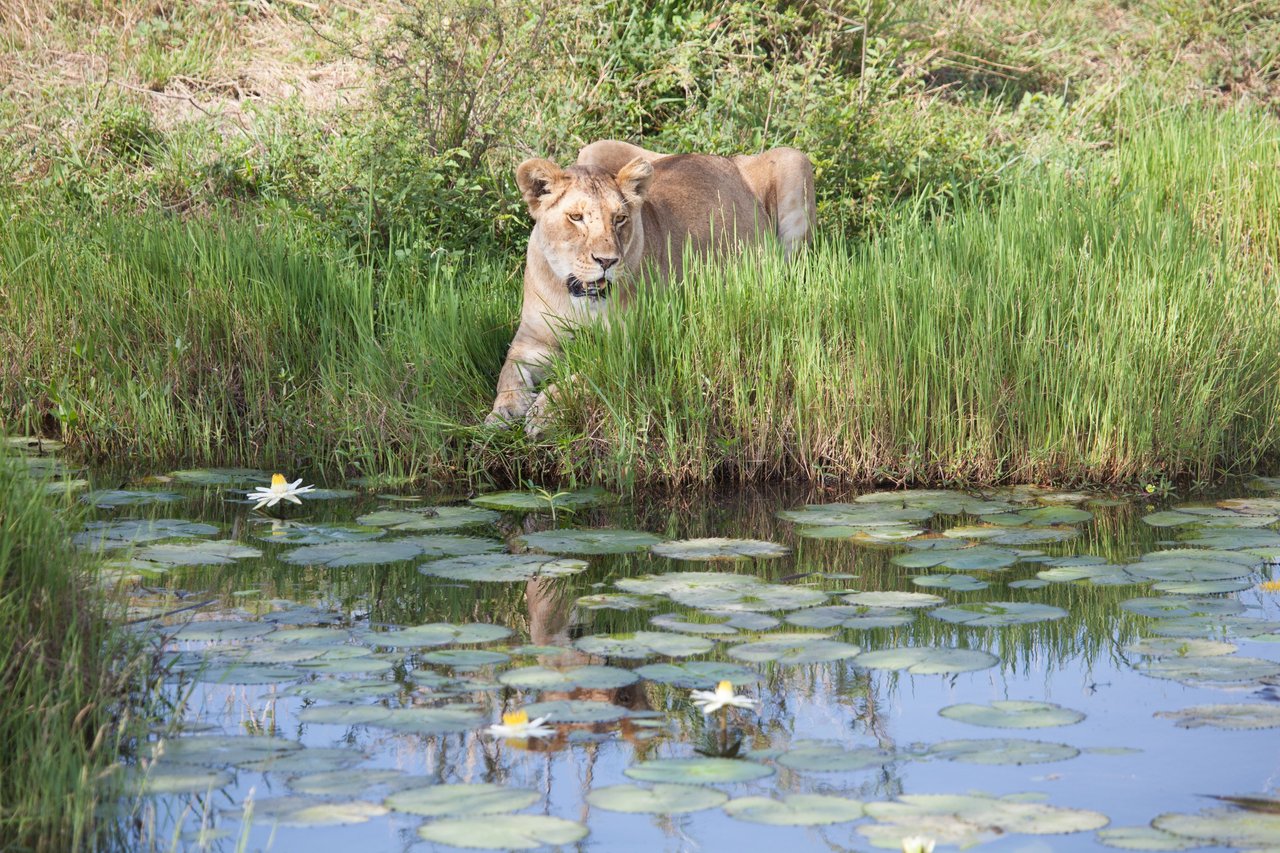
(1271, 586)
(278, 481)
(515, 718)
(724, 688)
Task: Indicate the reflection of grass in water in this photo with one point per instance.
(1098, 326)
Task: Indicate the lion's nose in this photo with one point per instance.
(605, 263)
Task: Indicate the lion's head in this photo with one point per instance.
(587, 222)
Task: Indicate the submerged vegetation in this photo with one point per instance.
(65, 674)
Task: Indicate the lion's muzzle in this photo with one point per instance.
(598, 289)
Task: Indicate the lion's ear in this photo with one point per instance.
(634, 178)
(536, 179)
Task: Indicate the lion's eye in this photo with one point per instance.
(620, 220)
(575, 217)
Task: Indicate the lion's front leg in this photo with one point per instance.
(524, 368)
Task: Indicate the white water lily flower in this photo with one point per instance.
(517, 725)
(279, 490)
(917, 844)
(711, 701)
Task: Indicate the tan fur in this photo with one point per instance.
(622, 209)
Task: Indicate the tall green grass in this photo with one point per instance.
(66, 674)
(1106, 324)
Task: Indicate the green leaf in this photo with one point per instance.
(698, 771)
(504, 832)
(441, 800)
(795, 810)
(659, 799)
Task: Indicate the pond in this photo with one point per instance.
(1017, 667)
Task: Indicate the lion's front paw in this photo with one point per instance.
(509, 408)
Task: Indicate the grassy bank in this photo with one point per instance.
(64, 673)
(1108, 322)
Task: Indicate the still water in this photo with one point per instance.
(285, 636)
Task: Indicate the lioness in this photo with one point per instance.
(622, 209)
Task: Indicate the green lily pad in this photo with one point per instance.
(1163, 647)
(989, 614)
(1169, 606)
(659, 799)
(429, 518)
(589, 677)
(700, 673)
(698, 771)
(108, 535)
(64, 487)
(429, 721)
(1235, 539)
(643, 644)
(927, 660)
(613, 601)
(795, 810)
(892, 598)
(1200, 587)
(335, 783)
(716, 625)
(465, 658)
(306, 811)
(344, 715)
(1013, 714)
(602, 541)
(956, 583)
(441, 800)
(219, 552)
(1002, 751)
(330, 494)
(1097, 575)
(113, 498)
(1228, 827)
(827, 757)
(1028, 583)
(292, 533)
(962, 819)
(502, 568)
(794, 649)
(222, 630)
(1191, 564)
(1171, 518)
(855, 515)
(344, 690)
(1016, 536)
(503, 832)
(886, 535)
(849, 616)
(222, 749)
(1213, 626)
(313, 759)
(1144, 838)
(977, 558)
(441, 634)
(576, 711)
(246, 674)
(519, 501)
(181, 779)
(1254, 715)
(720, 549)
(449, 545)
(1056, 515)
(343, 554)
(1219, 669)
(221, 476)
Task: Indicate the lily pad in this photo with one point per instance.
(1213, 626)
(794, 649)
(1228, 827)
(181, 779)
(108, 535)
(601, 541)
(643, 644)
(890, 598)
(697, 673)
(1056, 515)
(795, 810)
(827, 757)
(576, 711)
(502, 568)
(441, 800)
(989, 614)
(589, 677)
(849, 616)
(344, 715)
(219, 552)
(504, 832)
(1170, 606)
(222, 630)
(962, 819)
(1200, 587)
(977, 558)
(698, 771)
(520, 501)
(613, 601)
(659, 799)
(465, 658)
(855, 515)
(1254, 715)
(1163, 647)
(1013, 714)
(335, 783)
(1232, 539)
(428, 721)
(1219, 669)
(306, 811)
(956, 583)
(292, 533)
(716, 625)
(720, 549)
(113, 498)
(221, 750)
(221, 476)
(441, 634)
(1144, 838)
(314, 759)
(429, 518)
(344, 690)
(246, 674)
(927, 660)
(1002, 751)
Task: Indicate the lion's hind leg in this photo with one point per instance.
(782, 180)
